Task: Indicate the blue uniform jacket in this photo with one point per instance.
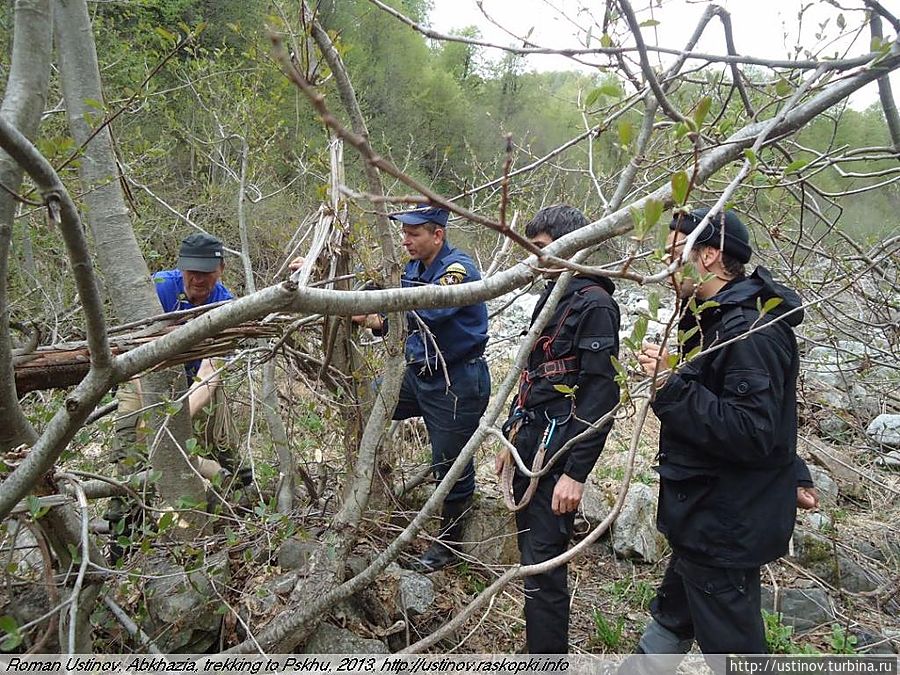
(460, 333)
(170, 291)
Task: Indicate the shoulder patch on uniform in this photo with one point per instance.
(458, 268)
(455, 273)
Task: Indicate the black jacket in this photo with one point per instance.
(573, 352)
(728, 435)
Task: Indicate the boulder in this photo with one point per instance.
(634, 534)
(330, 639)
(596, 502)
(489, 534)
(884, 430)
(825, 485)
(182, 607)
(802, 608)
(413, 594)
(817, 554)
(294, 554)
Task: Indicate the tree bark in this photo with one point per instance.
(26, 94)
(127, 276)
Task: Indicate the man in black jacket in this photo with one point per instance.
(727, 451)
(567, 387)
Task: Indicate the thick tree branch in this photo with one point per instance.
(885, 93)
(23, 101)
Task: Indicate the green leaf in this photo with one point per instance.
(653, 300)
(875, 44)
(693, 353)
(639, 332)
(626, 132)
(685, 335)
(796, 166)
(565, 389)
(680, 183)
(8, 624)
(649, 23)
(166, 521)
(94, 103)
(769, 305)
(841, 22)
(653, 210)
(681, 130)
(164, 34)
(11, 641)
(192, 446)
(702, 111)
(750, 156)
(606, 41)
(783, 87)
(611, 89)
(592, 97)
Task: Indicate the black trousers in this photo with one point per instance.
(542, 536)
(718, 607)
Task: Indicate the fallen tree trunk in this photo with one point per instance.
(65, 365)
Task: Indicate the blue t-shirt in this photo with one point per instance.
(170, 291)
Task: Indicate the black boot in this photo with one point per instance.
(444, 550)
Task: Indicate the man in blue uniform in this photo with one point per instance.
(728, 468)
(446, 382)
(568, 384)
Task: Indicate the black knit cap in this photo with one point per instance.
(737, 236)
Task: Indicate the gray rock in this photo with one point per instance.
(182, 607)
(489, 534)
(634, 534)
(890, 460)
(416, 593)
(802, 608)
(816, 521)
(824, 484)
(885, 430)
(330, 639)
(872, 643)
(596, 502)
(816, 553)
(295, 554)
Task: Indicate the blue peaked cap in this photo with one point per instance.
(423, 213)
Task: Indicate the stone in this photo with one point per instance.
(872, 643)
(295, 554)
(885, 430)
(415, 591)
(330, 639)
(489, 533)
(596, 502)
(634, 534)
(816, 521)
(817, 554)
(182, 607)
(802, 608)
(840, 466)
(890, 461)
(824, 484)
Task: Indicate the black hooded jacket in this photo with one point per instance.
(570, 377)
(728, 437)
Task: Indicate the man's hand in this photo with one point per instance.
(296, 263)
(566, 495)
(500, 460)
(807, 498)
(654, 359)
(372, 321)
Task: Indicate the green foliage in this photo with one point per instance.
(607, 633)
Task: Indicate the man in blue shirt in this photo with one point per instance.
(447, 381)
(196, 281)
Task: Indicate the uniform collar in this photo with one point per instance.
(436, 264)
